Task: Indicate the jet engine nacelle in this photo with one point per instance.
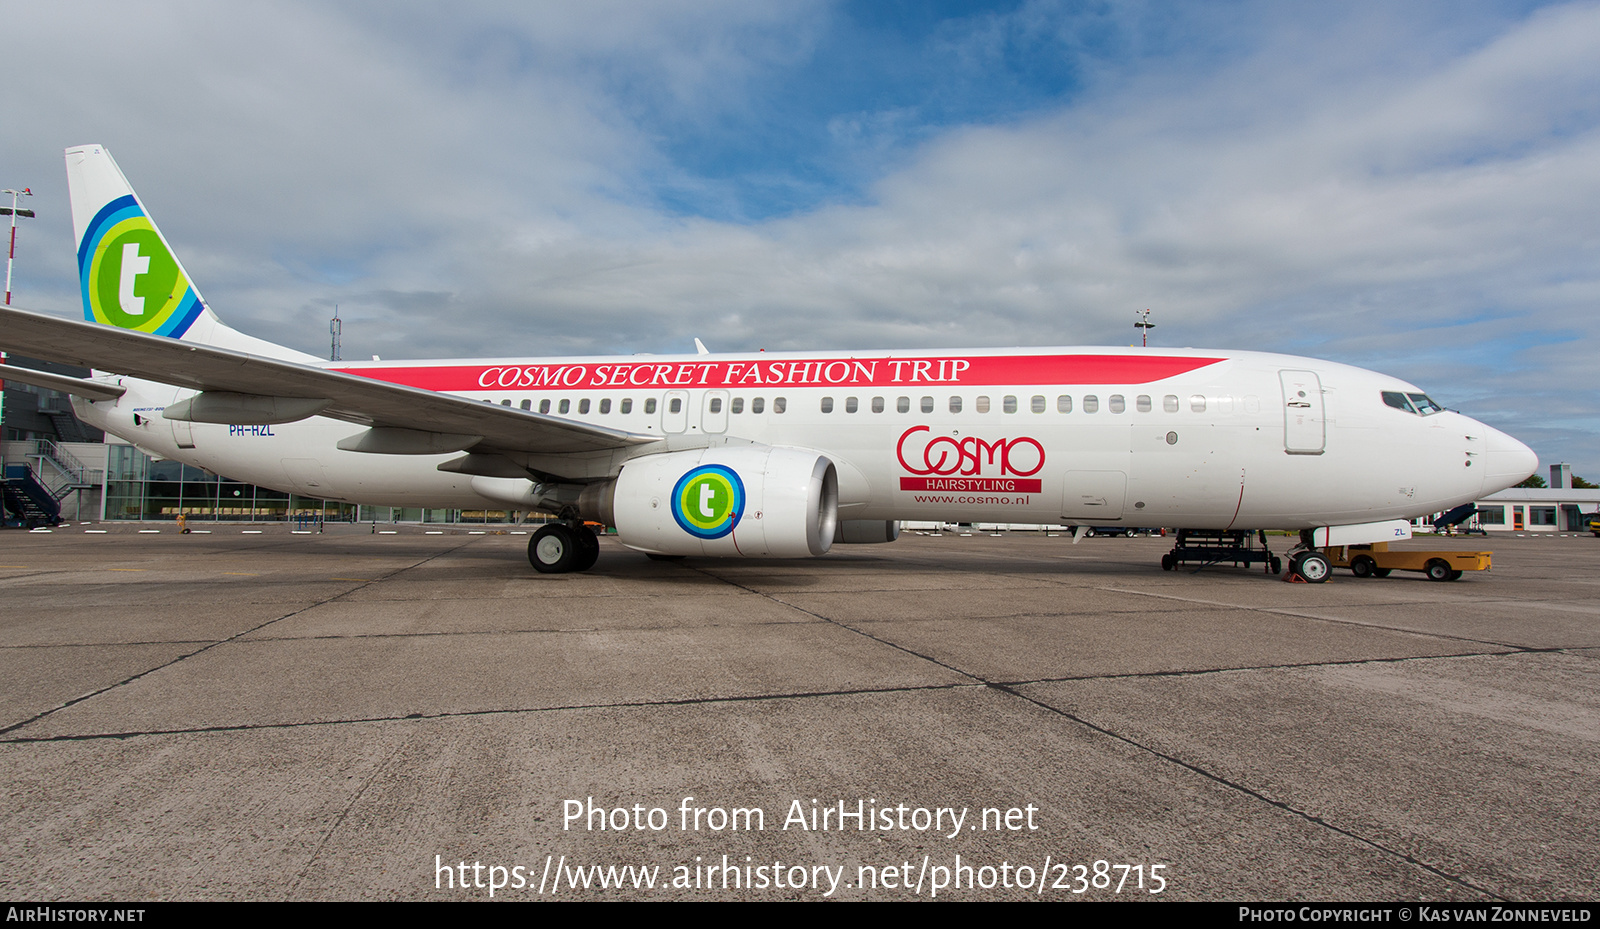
(747, 500)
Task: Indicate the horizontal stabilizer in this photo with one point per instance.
(76, 386)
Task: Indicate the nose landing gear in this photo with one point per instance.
(1311, 567)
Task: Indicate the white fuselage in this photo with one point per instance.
(1177, 438)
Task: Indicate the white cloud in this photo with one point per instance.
(1390, 189)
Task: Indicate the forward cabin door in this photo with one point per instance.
(1304, 426)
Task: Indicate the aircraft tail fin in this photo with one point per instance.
(128, 274)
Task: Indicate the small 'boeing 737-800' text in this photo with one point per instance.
(773, 454)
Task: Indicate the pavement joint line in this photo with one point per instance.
(339, 821)
(842, 625)
(167, 664)
(498, 711)
(105, 644)
(445, 633)
(1251, 792)
(1287, 611)
(1031, 614)
(1198, 672)
(1172, 759)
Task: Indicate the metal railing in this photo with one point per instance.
(75, 474)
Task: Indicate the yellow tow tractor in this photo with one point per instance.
(1376, 560)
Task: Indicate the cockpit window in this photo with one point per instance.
(1420, 404)
(1424, 405)
(1397, 400)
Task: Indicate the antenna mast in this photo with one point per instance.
(1144, 325)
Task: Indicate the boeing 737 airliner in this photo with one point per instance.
(755, 455)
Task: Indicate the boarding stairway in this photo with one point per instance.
(1455, 517)
(28, 502)
(32, 493)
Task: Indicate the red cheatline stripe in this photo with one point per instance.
(766, 373)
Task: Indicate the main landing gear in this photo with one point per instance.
(561, 547)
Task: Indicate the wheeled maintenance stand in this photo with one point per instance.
(1215, 546)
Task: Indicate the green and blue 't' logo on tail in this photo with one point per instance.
(129, 277)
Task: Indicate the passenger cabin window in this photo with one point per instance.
(544, 406)
(566, 406)
(1197, 403)
(955, 404)
(527, 405)
(1169, 403)
(903, 404)
(1037, 404)
(1143, 403)
(1117, 404)
(779, 404)
(1091, 403)
(627, 405)
(737, 406)
(605, 405)
(650, 404)
(851, 404)
(583, 405)
(716, 404)
(676, 406)
(1063, 404)
(927, 404)
(505, 402)
(877, 404)
(1008, 405)
(982, 405)
(827, 404)
(758, 404)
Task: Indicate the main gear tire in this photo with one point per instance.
(554, 549)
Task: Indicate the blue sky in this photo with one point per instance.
(1406, 187)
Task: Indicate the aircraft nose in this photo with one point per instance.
(1508, 461)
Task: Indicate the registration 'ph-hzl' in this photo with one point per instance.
(754, 455)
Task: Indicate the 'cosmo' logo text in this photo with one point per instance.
(969, 464)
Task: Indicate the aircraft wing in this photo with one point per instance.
(352, 398)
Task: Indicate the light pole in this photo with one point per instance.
(14, 213)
